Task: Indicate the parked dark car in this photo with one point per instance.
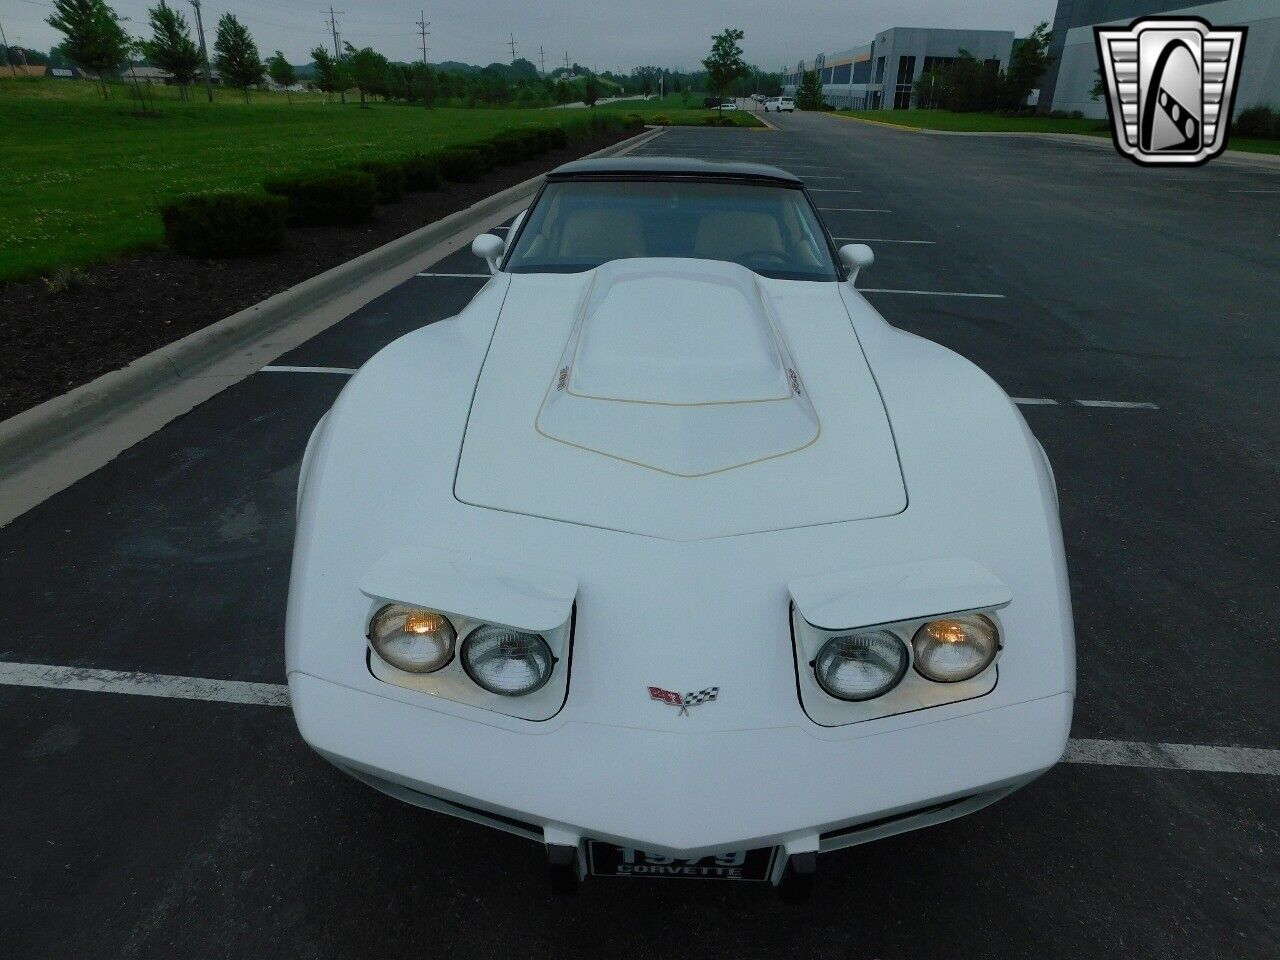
(711, 102)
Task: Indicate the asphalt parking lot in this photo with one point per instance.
(1132, 311)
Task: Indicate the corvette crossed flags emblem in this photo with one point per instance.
(686, 701)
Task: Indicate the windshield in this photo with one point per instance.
(577, 225)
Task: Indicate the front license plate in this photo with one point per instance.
(607, 860)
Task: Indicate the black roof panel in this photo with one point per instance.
(671, 166)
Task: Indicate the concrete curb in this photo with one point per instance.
(58, 421)
(1241, 157)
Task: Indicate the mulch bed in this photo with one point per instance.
(52, 342)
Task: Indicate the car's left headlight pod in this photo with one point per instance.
(951, 649)
(412, 639)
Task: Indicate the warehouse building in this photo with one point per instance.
(881, 75)
(1071, 76)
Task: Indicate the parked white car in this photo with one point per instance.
(779, 104)
(729, 104)
(670, 554)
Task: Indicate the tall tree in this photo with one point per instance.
(171, 47)
(236, 55)
(809, 93)
(1027, 63)
(328, 71)
(281, 71)
(725, 64)
(95, 40)
(590, 90)
(368, 71)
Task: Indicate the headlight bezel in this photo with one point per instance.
(912, 692)
(452, 682)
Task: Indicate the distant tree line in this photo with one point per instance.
(96, 41)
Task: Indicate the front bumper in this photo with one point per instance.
(683, 795)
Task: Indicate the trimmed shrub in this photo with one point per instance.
(543, 137)
(422, 173)
(225, 224)
(634, 122)
(1258, 122)
(662, 120)
(342, 197)
(388, 179)
(558, 137)
(462, 165)
(513, 146)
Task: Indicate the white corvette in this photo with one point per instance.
(669, 553)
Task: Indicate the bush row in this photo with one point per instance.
(236, 224)
(1260, 122)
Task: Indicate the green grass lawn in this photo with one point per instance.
(998, 123)
(84, 179)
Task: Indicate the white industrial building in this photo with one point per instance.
(881, 75)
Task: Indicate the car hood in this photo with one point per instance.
(681, 399)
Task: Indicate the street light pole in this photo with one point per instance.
(204, 53)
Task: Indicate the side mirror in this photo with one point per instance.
(856, 256)
(489, 248)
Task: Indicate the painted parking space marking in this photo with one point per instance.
(347, 371)
(1119, 404)
(1109, 753)
(483, 276)
(933, 293)
(1175, 756)
(1034, 401)
(53, 677)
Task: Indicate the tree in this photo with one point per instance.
(281, 71)
(563, 93)
(236, 55)
(725, 64)
(368, 71)
(95, 40)
(1027, 64)
(330, 77)
(590, 90)
(171, 47)
(809, 93)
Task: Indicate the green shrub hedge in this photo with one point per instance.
(388, 178)
(662, 120)
(1258, 122)
(225, 224)
(633, 121)
(422, 173)
(462, 164)
(558, 137)
(346, 196)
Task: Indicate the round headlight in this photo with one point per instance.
(506, 661)
(861, 666)
(412, 639)
(955, 648)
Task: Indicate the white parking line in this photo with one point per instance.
(1253, 191)
(1034, 401)
(143, 684)
(1119, 404)
(1175, 756)
(878, 239)
(933, 293)
(348, 371)
(1110, 753)
(484, 276)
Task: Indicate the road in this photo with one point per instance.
(156, 826)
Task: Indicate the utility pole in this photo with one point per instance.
(512, 44)
(7, 62)
(423, 23)
(204, 52)
(337, 50)
(542, 59)
(566, 61)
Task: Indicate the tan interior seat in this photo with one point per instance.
(602, 235)
(728, 234)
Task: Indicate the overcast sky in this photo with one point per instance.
(602, 34)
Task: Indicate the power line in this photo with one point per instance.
(333, 28)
